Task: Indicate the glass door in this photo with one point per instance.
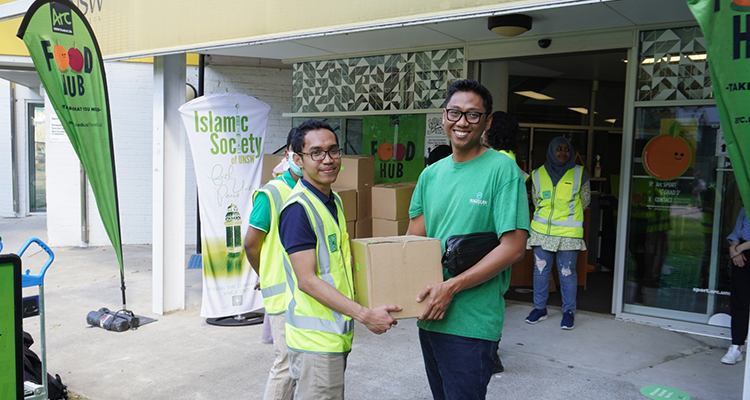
(37, 158)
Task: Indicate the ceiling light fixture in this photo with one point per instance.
(534, 95)
(581, 110)
(509, 25)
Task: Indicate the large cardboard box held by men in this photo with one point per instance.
(394, 270)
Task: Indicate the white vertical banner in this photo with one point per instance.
(226, 133)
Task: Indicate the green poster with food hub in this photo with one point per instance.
(397, 142)
(726, 27)
(67, 58)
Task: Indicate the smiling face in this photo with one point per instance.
(466, 137)
(323, 173)
(562, 153)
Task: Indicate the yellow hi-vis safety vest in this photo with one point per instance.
(559, 211)
(311, 326)
(272, 276)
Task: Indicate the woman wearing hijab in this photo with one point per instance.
(561, 191)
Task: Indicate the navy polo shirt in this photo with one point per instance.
(295, 230)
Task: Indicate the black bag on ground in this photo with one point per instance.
(463, 251)
(32, 372)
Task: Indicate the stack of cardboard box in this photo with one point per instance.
(357, 176)
(354, 186)
(390, 208)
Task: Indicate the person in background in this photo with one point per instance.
(463, 317)
(739, 303)
(317, 260)
(560, 192)
(503, 137)
(264, 251)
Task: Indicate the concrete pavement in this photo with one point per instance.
(182, 357)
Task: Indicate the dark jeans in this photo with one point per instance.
(740, 301)
(457, 367)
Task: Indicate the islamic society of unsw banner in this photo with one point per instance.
(226, 132)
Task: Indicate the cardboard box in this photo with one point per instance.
(386, 227)
(269, 162)
(391, 200)
(394, 270)
(363, 229)
(350, 229)
(349, 202)
(357, 172)
(364, 204)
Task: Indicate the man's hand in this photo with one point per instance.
(379, 320)
(440, 297)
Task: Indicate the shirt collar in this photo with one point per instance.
(325, 199)
(288, 178)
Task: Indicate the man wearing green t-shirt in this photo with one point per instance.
(264, 251)
(474, 190)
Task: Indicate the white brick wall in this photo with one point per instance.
(131, 100)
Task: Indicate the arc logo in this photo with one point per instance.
(62, 18)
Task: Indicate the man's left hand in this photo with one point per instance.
(440, 297)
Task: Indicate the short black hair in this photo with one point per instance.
(289, 137)
(298, 134)
(503, 132)
(470, 85)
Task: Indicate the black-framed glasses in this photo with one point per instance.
(454, 115)
(320, 155)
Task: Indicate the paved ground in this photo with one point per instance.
(182, 357)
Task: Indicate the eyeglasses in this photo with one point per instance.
(320, 155)
(472, 117)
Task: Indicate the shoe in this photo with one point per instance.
(498, 368)
(567, 320)
(733, 356)
(536, 315)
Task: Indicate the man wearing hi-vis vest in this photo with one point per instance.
(265, 253)
(320, 311)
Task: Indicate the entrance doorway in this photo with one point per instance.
(37, 158)
(581, 97)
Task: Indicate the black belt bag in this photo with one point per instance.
(463, 251)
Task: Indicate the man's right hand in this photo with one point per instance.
(379, 320)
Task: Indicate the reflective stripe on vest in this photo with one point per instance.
(311, 326)
(557, 222)
(272, 276)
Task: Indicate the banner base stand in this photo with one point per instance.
(251, 318)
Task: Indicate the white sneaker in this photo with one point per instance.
(734, 355)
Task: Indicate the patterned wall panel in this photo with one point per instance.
(672, 65)
(405, 81)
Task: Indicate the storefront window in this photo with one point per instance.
(674, 264)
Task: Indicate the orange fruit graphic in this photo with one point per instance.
(667, 156)
(385, 151)
(744, 3)
(61, 57)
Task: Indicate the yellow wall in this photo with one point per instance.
(132, 28)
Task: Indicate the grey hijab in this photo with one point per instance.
(555, 168)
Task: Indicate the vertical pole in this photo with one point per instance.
(84, 209)
(168, 185)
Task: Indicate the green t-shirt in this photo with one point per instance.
(486, 194)
(260, 216)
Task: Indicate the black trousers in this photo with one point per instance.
(740, 301)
